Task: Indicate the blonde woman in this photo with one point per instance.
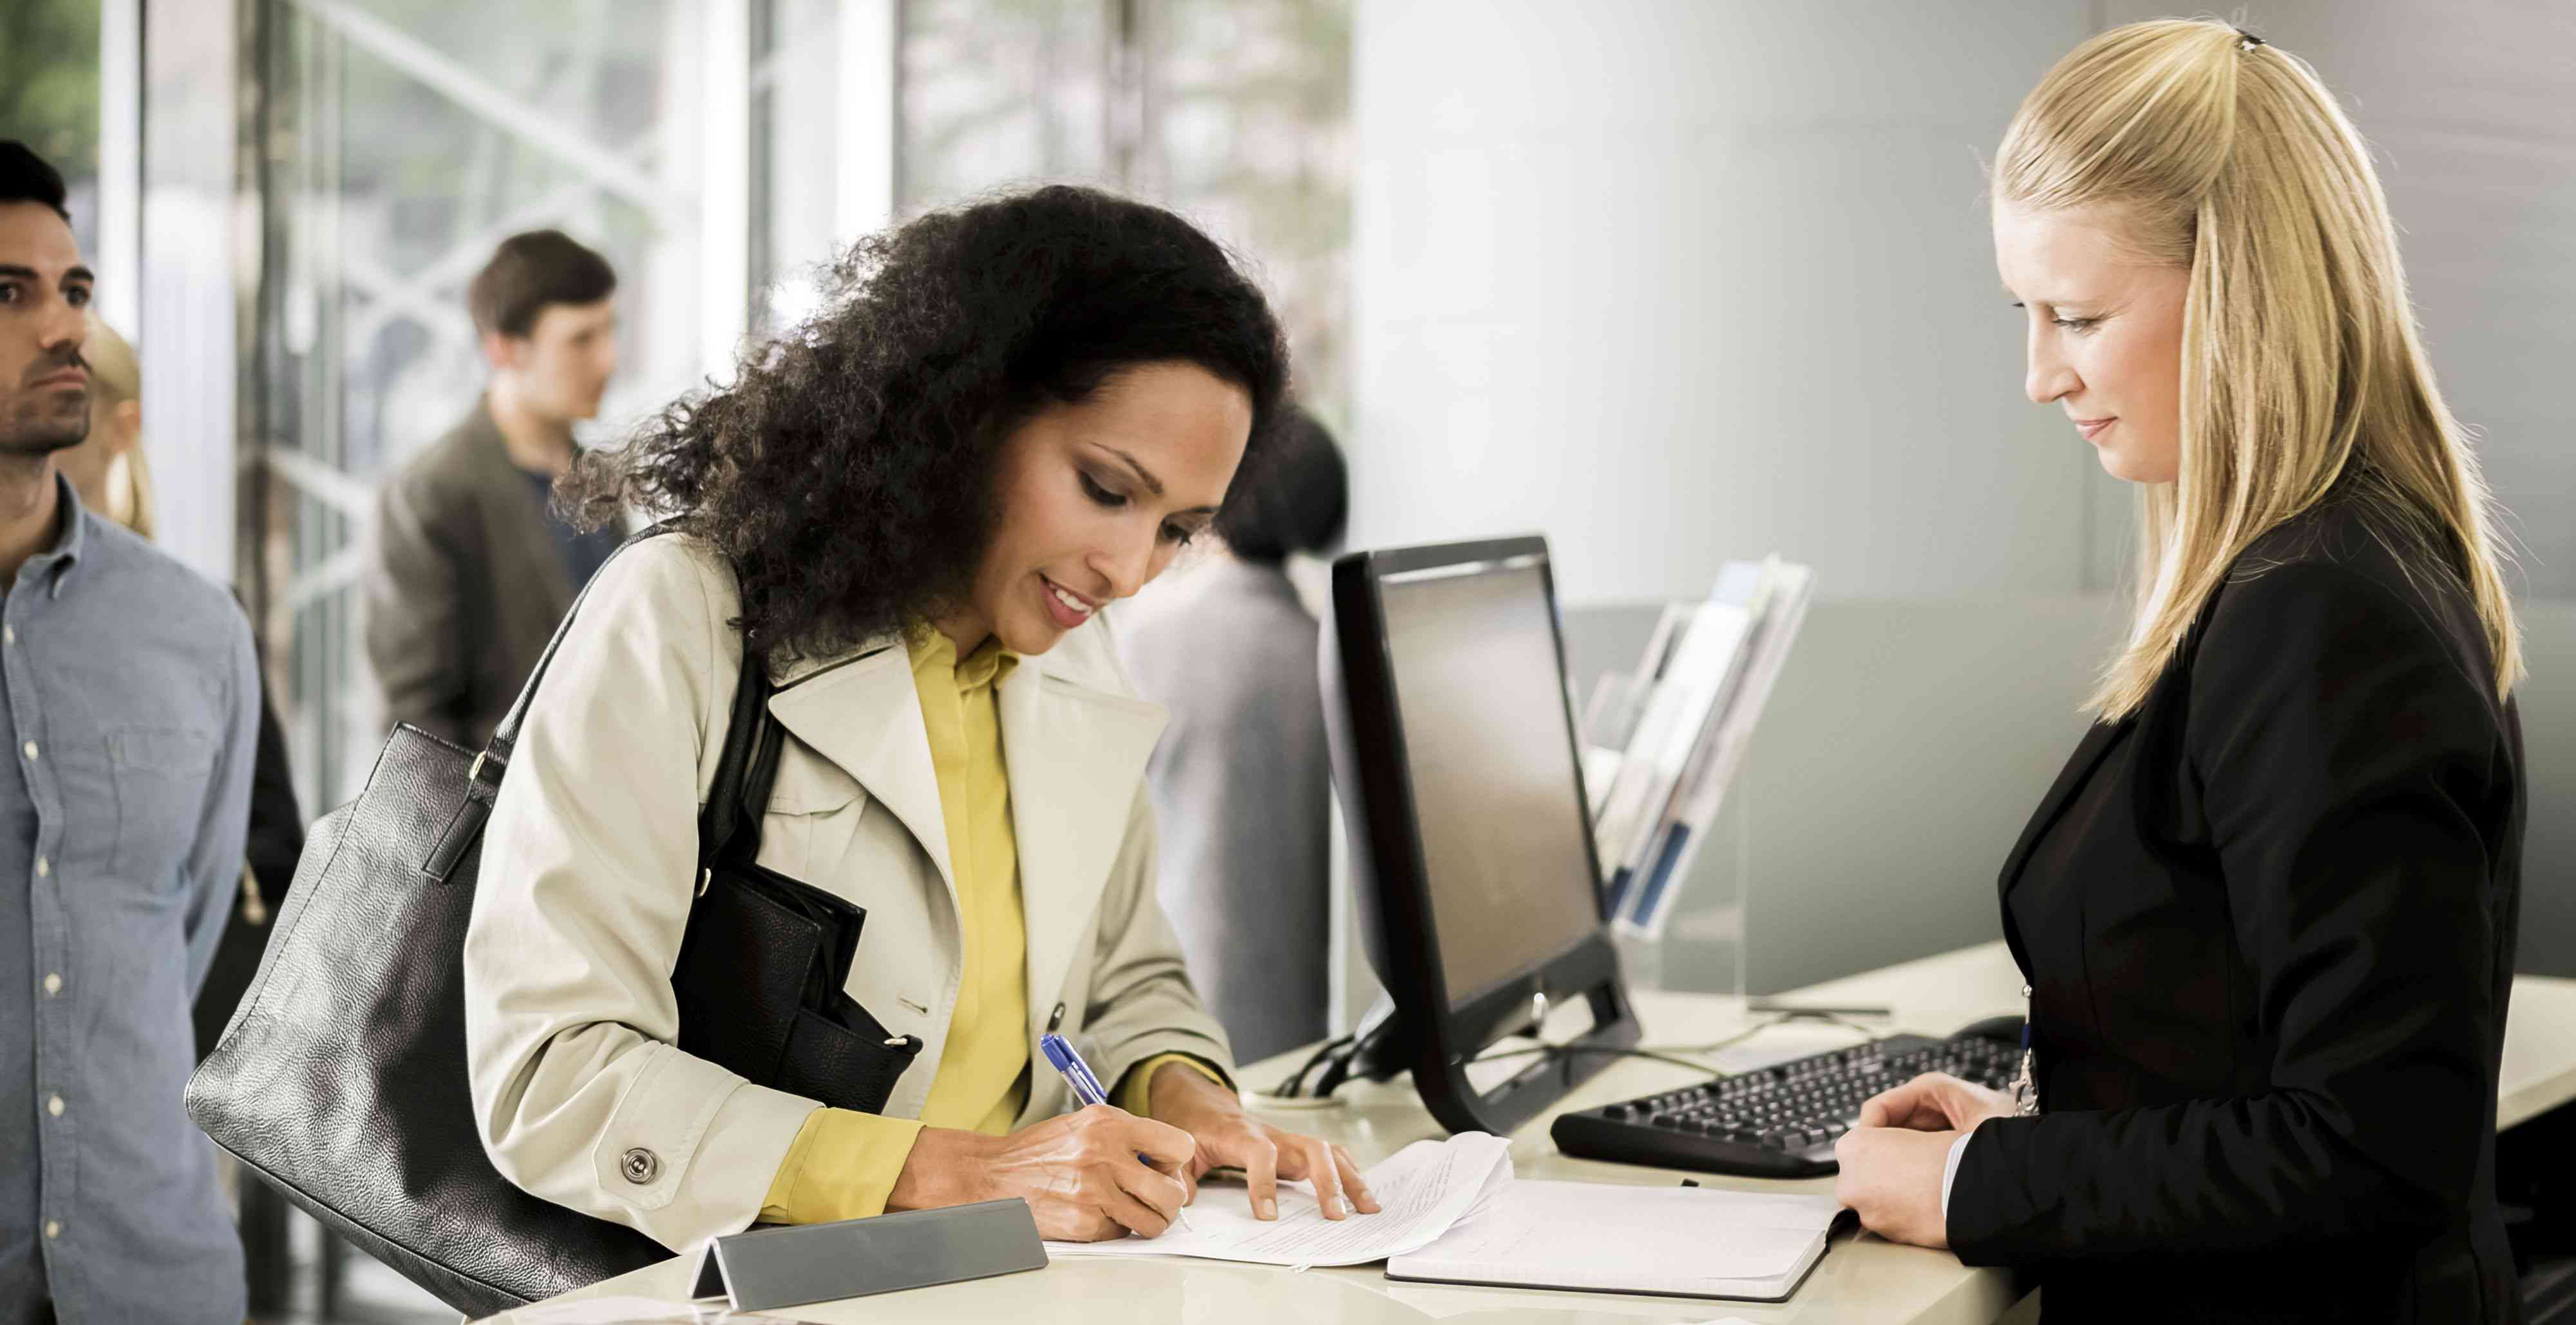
(107, 469)
(2267, 912)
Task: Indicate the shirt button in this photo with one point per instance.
(54, 1106)
(53, 1228)
(44, 867)
(30, 749)
(53, 983)
(642, 1166)
(9, 634)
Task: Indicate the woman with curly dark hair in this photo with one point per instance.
(917, 506)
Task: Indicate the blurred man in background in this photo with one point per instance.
(469, 570)
(1242, 783)
(131, 712)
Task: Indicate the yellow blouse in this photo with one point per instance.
(843, 1164)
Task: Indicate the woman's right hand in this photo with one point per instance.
(1079, 1173)
(1935, 1102)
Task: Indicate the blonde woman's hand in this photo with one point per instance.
(1935, 1102)
(1080, 1173)
(1891, 1178)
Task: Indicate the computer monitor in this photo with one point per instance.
(1473, 871)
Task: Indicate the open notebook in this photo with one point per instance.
(1687, 1241)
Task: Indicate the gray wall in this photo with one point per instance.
(1681, 280)
(1675, 280)
(1905, 745)
(2466, 108)
(1909, 741)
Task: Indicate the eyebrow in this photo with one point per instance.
(1143, 475)
(1153, 484)
(30, 273)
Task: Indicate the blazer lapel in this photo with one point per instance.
(862, 713)
(1077, 758)
(2070, 779)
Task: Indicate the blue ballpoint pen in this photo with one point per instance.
(1064, 1058)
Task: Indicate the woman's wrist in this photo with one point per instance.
(943, 1169)
(1178, 1091)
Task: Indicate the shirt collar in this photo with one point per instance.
(933, 652)
(55, 562)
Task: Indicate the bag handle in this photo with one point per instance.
(496, 751)
(729, 828)
(745, 769)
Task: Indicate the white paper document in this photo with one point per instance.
(1703, 1242)
(1422, 1191)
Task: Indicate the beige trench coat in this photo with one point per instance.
(590, 858)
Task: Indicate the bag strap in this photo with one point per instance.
(729, 828)
(745, 769)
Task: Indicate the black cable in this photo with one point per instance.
(1296, 1082)
(1343, 1051)
(1871, 1032)
(1555, 1051)
(1336, 1072)
(1730, 1041)
(1667, 1054)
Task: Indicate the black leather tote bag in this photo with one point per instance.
(341, 1079)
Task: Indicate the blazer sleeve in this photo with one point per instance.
(413, 609)
(2346, 761)
(276, 840)
(589, 868)
(1141, 1002)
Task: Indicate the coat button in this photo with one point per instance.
(642, 1166)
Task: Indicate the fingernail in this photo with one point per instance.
(1270, 1210)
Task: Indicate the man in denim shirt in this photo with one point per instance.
(130, 712)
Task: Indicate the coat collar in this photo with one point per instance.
(1077, 763)
(1076, 754)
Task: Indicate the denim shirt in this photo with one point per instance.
(131, 716)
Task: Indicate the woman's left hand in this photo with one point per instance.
(1891, 1177)
(1229, 1137)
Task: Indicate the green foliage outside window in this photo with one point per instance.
(49, 81)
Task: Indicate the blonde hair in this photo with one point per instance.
(2227, 156)
(129, 480)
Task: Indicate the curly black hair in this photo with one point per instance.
(849, 472)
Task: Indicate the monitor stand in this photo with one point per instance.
(1389, 1042)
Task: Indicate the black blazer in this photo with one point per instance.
(2268, 924)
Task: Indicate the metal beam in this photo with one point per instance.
(870, 61)
(328, 484)
(724, 183)
(468, 254)
(193, 311)
(472, 92)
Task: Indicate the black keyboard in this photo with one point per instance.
(1780, 1121)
